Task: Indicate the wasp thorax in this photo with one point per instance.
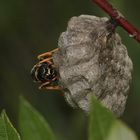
(93, 61)
(43, 72)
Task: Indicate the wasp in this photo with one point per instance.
(45, 73)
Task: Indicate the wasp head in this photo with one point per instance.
(43, 72)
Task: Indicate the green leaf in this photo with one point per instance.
(104, 126)
(32, 125)
(120, 131)
(7, 131)
(100, 121)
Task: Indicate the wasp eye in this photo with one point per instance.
(33, 74)
(38, 72)
(41, 73)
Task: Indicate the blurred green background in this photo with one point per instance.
(31, 27)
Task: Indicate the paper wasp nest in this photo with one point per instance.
(93, 61)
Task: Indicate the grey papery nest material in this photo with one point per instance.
(93, 61)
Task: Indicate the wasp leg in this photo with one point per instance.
(48, 60)
(47, 54)
(46, 86)
(53, 88)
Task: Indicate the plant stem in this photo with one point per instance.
(119, 18)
